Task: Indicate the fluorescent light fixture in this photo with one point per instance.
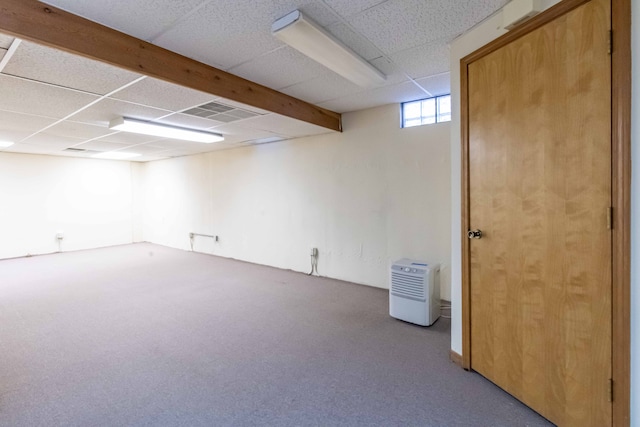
(5, 144)
(267, 140)
(115, 155)
(306, 36)
(125, 124)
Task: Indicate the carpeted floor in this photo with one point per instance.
(143, 335)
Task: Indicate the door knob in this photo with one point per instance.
(474, 234)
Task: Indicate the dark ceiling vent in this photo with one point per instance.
(80, 150)
(220, 112)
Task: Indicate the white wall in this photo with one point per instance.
(90, 200)
(635, 222)
(365, 197)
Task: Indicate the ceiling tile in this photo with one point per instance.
(78, 130)
(100, 145)
(392, 72)
(398, 25)
(28, 149)
(23, 122)
(436, 85)
(5, 41)
(402, 92)
(166, 144)
(127, 138)
(284, 126)
(3, 52)
(108, 109)
(322, 88)
(185, 120)
(350, 7)
(52, 142)
(423, 61)
(144, 149)
(161, 94)
(281, 68)
(354, 41)
(235, 133)
(44, 64)
(223, 33)
(140, 18)
(29, 97)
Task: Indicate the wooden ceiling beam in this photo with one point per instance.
(40, 23)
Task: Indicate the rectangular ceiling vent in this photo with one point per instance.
(220, 112)
(80, 150)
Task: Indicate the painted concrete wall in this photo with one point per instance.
(635, 219)
(365, 197)
(90, 200)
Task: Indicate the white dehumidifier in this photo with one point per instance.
(414, 291)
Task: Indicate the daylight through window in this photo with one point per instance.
(426, 111)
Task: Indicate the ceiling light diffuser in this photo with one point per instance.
(5, 144)
(304, 35)
(125, 124)
(116, 155)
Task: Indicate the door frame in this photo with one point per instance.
(620, 181)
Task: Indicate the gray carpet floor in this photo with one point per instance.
(143, 335)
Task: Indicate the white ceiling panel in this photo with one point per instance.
(28, 149)
(242, 106)
(108, 109)
(235, 133)
(177, 144)
(52, 142)
(5, 41)
(100, 145)
(23, 122)
(425, 60)
(397, 25)
(22, 96)
(37, 62)
(436, 85)
(223, 33)
(402, 92)
(127, 138)
(350, 7)
(140, 18)
(188, 121)
(78, 130)
(3, 52)
(144, 149)
(160, 94)
(325, 87)
(354, 41)
(281, 68)
(393, 73)
(284, 126)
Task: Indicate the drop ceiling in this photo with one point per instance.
(52, 101)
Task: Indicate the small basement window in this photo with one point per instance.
(426, 111)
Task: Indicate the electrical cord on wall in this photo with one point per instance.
(445, 306)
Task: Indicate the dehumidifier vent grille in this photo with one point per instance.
(407, 286)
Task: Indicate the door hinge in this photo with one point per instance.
(610, 390)
(610, 218)
(610, 43)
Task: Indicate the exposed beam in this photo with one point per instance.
(38, 22)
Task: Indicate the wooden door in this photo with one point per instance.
(539, 132)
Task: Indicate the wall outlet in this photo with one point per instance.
(60, 235)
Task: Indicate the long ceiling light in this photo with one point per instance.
(306, 36)
(126, 124)
(5, 144)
